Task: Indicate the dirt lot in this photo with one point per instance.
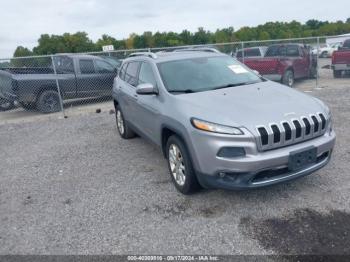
(72, 186)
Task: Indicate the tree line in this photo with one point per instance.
(80, 42)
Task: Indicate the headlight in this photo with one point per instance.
(215, 128)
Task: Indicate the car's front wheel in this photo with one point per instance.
(337, 73)
(123, 128)
(180, 166)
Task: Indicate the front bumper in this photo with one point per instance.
(256, 169)
(273, 77)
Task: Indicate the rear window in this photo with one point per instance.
(251, 52)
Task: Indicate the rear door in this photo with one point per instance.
(64, 66)
(127, 90)
(88, 80)
(106, 74)
(298, 59)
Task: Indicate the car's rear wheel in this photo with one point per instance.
(288, 78)
(49, 102)
(28, 106)
(6, 105)
(337, 73)
(123, 128)
(180, 166)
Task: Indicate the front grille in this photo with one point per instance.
(291, 132)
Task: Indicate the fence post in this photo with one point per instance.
(243, 52)
(317, 63)
(58, 85)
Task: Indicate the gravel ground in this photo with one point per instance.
(72, 186)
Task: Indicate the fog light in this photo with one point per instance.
(230, 152)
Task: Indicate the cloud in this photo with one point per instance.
(23, 21)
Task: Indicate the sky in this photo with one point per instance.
(23, 21)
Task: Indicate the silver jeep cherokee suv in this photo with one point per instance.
(219, 124)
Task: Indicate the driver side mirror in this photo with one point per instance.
(146, 89)
(256, 72)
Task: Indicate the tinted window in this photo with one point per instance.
(293, 50)
(249, 52)
(281, 50)
(64, 65)
(131, 73)
(103, 67)
(123, 71)
(347, 44)
(87, 67)
(146, 75)
(204, 74)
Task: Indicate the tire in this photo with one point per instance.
(313, 73)
(180, 166)
(324, 54)
(123, 129)
(288, 78)
(28, 106)
(337, 73)
(48, 102)
(6, 105)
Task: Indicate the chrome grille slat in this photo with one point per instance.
(291, 132)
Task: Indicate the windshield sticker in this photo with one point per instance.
(238, 69)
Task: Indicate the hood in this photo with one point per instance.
(251, 105)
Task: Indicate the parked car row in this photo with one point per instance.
(78, 76)
(281, 62)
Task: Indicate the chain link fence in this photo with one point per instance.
(68, 84)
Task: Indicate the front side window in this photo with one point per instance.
(204, 74)
(131, 73)
(251, 52)
(87, 66)
(146, 75)
(104, 68)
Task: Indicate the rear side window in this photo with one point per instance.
(87, 67)
(131, 73)
(146, 75)
(104, 67)
(123, 71)
(293, 50)
(64, 65)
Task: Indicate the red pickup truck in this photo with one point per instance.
(341, 60)
(285, 63)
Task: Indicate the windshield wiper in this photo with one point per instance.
(233, 85)
(186, 91)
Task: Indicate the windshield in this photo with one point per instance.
(204, 74)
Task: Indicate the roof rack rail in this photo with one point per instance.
(200, 49)
(148, 54)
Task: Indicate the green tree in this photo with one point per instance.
(22, 51)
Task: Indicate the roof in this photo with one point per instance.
(172, 56)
